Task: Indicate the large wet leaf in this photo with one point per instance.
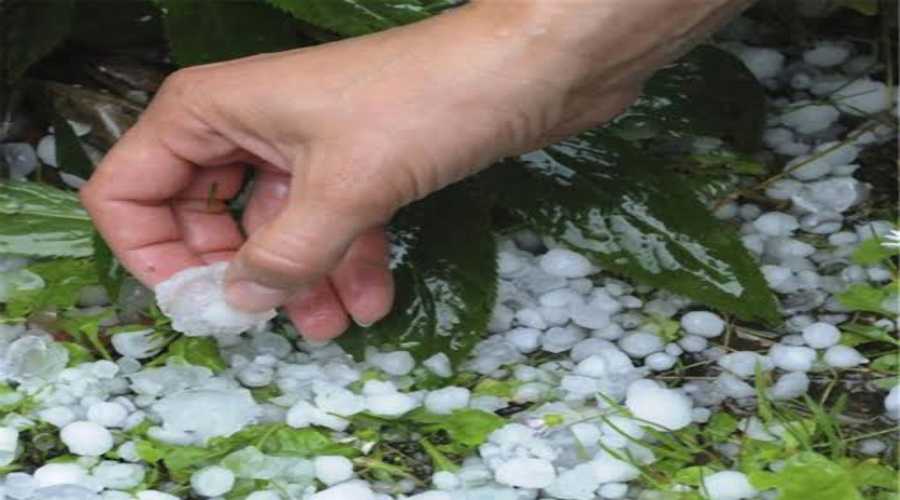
(212, 31)
(360, 17)
(709, 92)
(606, 199)
(808, 475)
(29, 30)
(445, 270)
(41, 221)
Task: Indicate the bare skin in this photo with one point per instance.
(344, 134)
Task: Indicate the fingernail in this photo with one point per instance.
(362, 324)
(251, 296)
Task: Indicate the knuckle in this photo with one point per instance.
(184, 84)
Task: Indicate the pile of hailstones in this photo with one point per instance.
(552, 301)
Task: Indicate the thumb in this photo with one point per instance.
(286, 256)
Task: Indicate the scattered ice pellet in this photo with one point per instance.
(807, 117)
(9, 444)
(20, 158)
(393, 363)
(439, 364)
(728, 485)
(745, 363)
(862, 97)
(892, 403)
(842, 356)
(212, 481)
(86, 438)
(333, 469)
(207, 413)
(119, 476)
(827, 54)
(138, 344)
(790, 385)
(195, 300)
(821, 335)
(792, 358)
(641, 344)
(46, 150)
(703, 323)
(526, 473)
(444, 401)
(764, 63)
(59, 473)
(664, 407)
(612, 470)
(350, 490)
(872, 446)
(107, 414)
(776, 224)
(565, 264)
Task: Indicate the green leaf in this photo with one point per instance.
(855, 334)
(871, 472)
(872, 251)
(87, 327)
(693, 476)
(468, 427)
(37, 220)
(864, 298)
(709, 92)
(286, 441)
(78, 353)
(497, 388)
(69, 152)
(63, 281)
(438, 458)
(607, 200)
(446, 280)
(200, 351)
(271, 439)
(213, 31)
(888, 363)
(30, 30)
(720, 427)
(809, 475)
(360, 17)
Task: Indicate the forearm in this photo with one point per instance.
(602, 44)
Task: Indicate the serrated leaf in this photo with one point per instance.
(360, 17)
(607, 200)
(709, 92)
(219, 30)
(446, 281)
(37, 220)
(30, 30)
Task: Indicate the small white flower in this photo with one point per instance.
(892, 239)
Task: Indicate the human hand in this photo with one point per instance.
(343, 134)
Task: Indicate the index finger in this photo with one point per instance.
(130, 199)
